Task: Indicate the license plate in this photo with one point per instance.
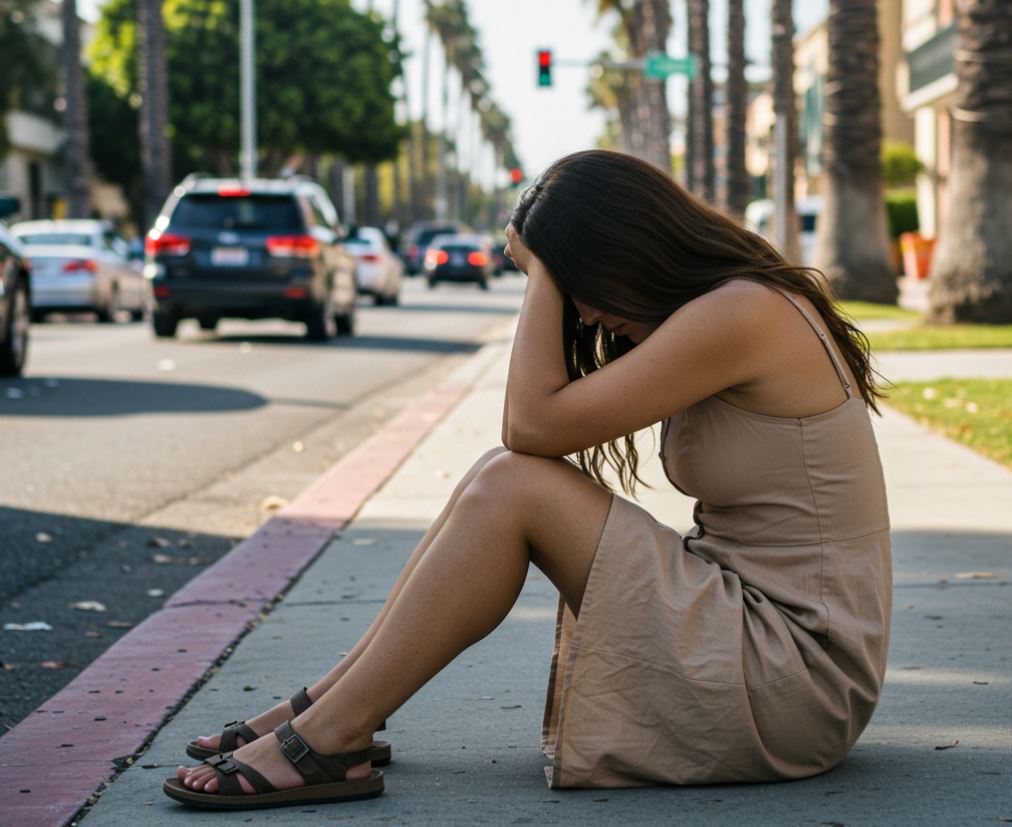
(457, 259)
(230, 256)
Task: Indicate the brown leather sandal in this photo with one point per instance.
(326, 778)
(379, 752)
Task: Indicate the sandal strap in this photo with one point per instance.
(227, 769)
(300, 701)
(228, 742)
(315, 767)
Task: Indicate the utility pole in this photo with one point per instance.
(248, 149)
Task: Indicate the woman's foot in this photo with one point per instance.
(265, 756)
(261, 725)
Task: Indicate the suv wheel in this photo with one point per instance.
(164, 324)
(345, 322)
(14, 346)
(321, 324)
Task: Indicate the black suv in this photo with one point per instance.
(253, 250)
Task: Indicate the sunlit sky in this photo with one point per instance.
(549, 123)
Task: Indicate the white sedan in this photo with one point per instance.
(80, 265)
(380, 270)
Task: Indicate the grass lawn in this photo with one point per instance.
(938, 337)
(976, 412)
(863, 311)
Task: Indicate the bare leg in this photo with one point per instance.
(266, 721)
(518, 509)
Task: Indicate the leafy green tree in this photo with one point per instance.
(324, 73)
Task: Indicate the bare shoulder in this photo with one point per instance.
(742, 304)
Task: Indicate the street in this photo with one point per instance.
(130, 464)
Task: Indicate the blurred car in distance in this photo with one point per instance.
(502, 261)
(380, 271)
(466, 258)
(81, 265)
(259, 249)
(15, 297)
(420, 237)
(760, 217)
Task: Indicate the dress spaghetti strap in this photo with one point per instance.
(822, 338)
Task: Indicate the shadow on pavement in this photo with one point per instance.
(64, 396)
(52, 561)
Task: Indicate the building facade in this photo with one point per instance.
(927, 82)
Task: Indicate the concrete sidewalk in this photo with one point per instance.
(939, 750)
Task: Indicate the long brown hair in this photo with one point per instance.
(619, 235)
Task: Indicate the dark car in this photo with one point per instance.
(15, 297)
(459, 258)
(252, 250)
(419, 239)
(502, 261)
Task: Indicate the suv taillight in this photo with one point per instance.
(293, 246)
(433, 258)
(166, 244)
(477, 259)
(372, 257)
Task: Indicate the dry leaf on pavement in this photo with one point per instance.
(976, 575)
(948, 746)
(58, 664)
(159, 542)
(88, 606)
(273, 503)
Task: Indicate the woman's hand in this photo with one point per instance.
(518, 251)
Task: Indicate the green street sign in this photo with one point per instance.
(658, 65)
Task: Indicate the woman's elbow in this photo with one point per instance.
(528, 441)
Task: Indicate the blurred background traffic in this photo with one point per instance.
(842, 130)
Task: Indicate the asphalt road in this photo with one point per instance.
(129, 464)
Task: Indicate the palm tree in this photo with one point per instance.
(971, 276)
(737, 186)
(77, 163)
(853, 246)
(646, 25)
(786, 115)
(154, 116)
(699, 147)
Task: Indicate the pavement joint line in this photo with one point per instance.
(143, 695)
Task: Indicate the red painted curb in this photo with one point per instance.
(56, 758)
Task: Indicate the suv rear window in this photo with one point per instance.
(255, 212)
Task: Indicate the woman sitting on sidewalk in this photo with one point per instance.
(750, 649)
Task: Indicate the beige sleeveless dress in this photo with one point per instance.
(751, 649)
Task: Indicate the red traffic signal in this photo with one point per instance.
(544, 67)
(516, 176)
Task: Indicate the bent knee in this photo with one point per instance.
(508, 474)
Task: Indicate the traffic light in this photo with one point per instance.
(544, 67)
(516, 176)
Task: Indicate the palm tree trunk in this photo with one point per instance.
(77, 165)
(853, 241)
(370, 207)
(700, 167)
(655, 28)
(737, 186)
(155, 159)
(971, 276)
(424, 187)
(786, 115)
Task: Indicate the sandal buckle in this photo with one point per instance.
(294, 748)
